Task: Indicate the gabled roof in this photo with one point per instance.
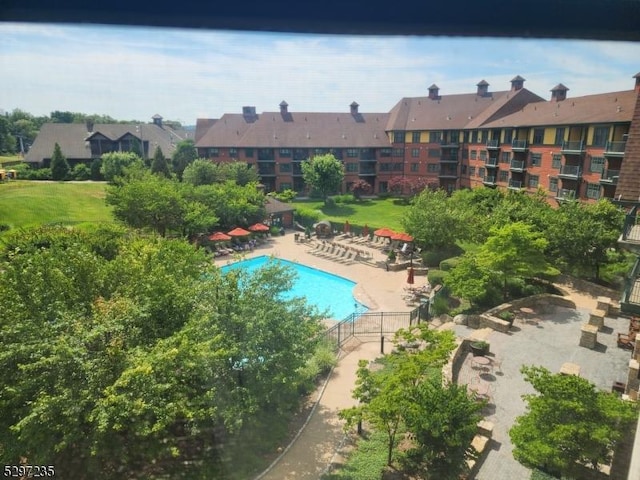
(73, 139)
(600, 108)
(628, 188)
(225, 132)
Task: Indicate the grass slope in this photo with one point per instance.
(376, 213)
(28, 203)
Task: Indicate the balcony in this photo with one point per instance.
(367, 171)
(489, 180)
(519, 146)
(517, 165)
(266, 172)
(491, 162)
(493, 144)
(448, 173)
(296, 170)
(447, 143)
(449, 159)
(570, 172)
(573, 147)
(615, 149)
(565, 195)
(515, 185)
(610, 177)
(630, 238)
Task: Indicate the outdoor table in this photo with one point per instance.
(481, 389)
(481, 362)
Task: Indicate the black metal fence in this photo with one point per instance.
(373, 324)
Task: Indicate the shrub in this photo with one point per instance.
(342, 199)
(306, 216)
(81, 172)
(4, 227)
(285, 196)
(507, 315)
(437, 277)
(37, 174)
(449, 263)
(440, 305)
(432, 258)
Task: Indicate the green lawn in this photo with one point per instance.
(376, 213)
(29, 203)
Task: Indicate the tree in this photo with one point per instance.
(407, 186)
(360, 187)
(59, 166)
(201, 172)
(568, 423)
(323, 173)
(114, 164)
(468, 280)
(514, 250)
(431, 220)
(240, 172)
(184, 154)
(233, 204)
(159, 164)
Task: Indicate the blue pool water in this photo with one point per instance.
(322, 289)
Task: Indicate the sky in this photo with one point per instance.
(132, 73)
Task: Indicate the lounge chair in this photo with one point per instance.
(627, 340)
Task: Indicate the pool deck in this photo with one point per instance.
(321, 440)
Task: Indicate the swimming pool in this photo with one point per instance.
(322, 289)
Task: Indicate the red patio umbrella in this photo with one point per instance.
(219, 237)
(347, 227)
(259, 227)
(365, 230)
(403, 237)
(238, 232)
(410, 276)
(383, 232)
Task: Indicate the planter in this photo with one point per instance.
(479, 349)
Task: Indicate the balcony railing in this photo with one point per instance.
(515, 184)
(449, 159)
(448, 173)
(449, 143)
(566, 194)
(610, 177)
(573, 147)
(571, 172)
(519, 145)
(266, 171)
(615, 149)
(491, 162)
(367, 171)
(493, 144)
(489, 180)
(517, 165)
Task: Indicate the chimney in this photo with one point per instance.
(433, 92)
(637, 87)
(157, 120)
(354, 108)
(284, 107)
(517, 83)
(483, 88)
(559, 93)
(89, 123)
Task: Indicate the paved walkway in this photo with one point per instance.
(550, 343)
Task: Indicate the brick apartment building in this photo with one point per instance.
(572, 148)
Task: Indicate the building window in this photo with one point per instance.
(474, 154)
(485, 136)
(600, 136)
(336, 152)
(398, 167)
(465, 136)
(483, 154)
(508, 136)
(536, 159)
(248, 152)
(319, 151)
(556, 161)
(505, 157)
(352, 152)
(454, 137)
(398, 137)
(503, 176)
(434, 137)
(285, 186)
(385, 152)
(266, 154)
(433, 167)
(233, 152)
(474, 136)
(397, 152)
(434, 153)
(352, 167)
(415, 166)
(415, 152)
(472, 171)
(481, 172)
(533, 181)
(553, 184)
(559, 136)
(385, 167)
(593, 191)
(214, 152)
(538, 136)
(415, 137)
(285, 168)
(383, 187)
(285, 152)
(597, 164)
(465, 154)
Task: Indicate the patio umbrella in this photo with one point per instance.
(259, 227)
(239, 232)
(403, 237)
(347, 227)
(410, 276)
(383, 232)
(219, 237)
(365, 230)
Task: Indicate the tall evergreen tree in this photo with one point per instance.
(159, 165)
(59, 166)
